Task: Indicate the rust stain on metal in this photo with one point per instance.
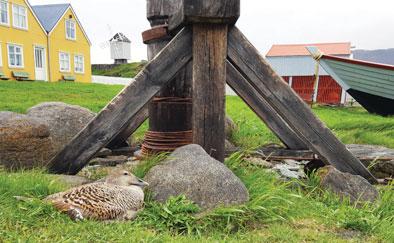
(159, 142)
(156, 33)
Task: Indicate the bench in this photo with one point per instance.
(69, 78)
(21, 76)
(2, 76)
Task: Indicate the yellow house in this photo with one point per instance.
(45, 42)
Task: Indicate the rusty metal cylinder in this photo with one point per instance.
(170, 112)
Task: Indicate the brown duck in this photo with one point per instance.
(117, 197)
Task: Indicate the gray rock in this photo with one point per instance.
(25, 142)
(230, 127)
(346, 185)
(190, 171)
(289, 172)
(64, 120)
(72, 181)
(109, 160)
(383, 169)
(230, 147)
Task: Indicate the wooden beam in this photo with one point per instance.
(209, 87)
(116, 116)
(263, 109)
(204, 11)
(133, 125)
(245, 58)
(278, 154)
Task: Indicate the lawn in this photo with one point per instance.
(295, 211)
(351, 125)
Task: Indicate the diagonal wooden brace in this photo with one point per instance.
(132, 126)
(263, 109)
(246, 59)
(118, 114)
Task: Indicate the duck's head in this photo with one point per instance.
(125, 178)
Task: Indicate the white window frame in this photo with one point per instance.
(1, 55)
(9, 56)
(8, 13)
(76, 56)
(14, 17)
(75, 29)
(60, 62)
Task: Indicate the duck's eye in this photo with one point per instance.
(126, 173)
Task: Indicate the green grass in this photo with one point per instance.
(129, 70)
(277, 212)
(351, 125)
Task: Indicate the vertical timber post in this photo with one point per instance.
(209, 20)
(170, 111)
(209, 87)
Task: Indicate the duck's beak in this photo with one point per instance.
(142, 183)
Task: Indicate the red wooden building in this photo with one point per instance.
(295, 64)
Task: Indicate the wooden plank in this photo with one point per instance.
(263, 109)
(277, 154)
(116, 116)
(209, 87)
(290, 107)
(204, 11)
(133, 125)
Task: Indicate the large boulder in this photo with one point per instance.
(190, 171)
(25, 142)
(347, 186)
(64, 120)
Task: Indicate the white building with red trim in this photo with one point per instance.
(297, 67)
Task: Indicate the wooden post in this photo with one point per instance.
(209, 87)
(170, 111)
(210, 20)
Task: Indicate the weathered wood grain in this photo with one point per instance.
(290, 107)
(209, 87)
(158, 11)
(116, 116)
(277, 154)
(204, 11)
(263, 109)
(124, 135)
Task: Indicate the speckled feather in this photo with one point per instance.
(101, 200)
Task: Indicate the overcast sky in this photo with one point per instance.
(367, 24)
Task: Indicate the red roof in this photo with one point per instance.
(300, 50)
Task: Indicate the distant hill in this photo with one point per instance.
(385, 56)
